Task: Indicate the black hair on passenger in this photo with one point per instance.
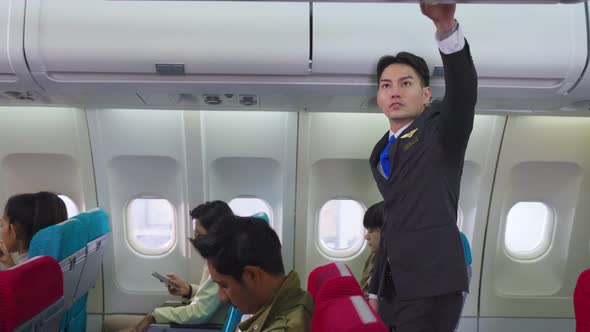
(235, 242)
(209, 212)
(374, 216)
(33, 212)
(414, 61)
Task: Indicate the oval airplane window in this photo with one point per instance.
(248, 206)
(340, 228)
(529, 228)
(71, 207)
(150, 225)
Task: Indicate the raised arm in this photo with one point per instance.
(458, 106)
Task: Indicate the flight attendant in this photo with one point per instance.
(420, 268)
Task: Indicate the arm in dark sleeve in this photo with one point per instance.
(380, 258)
(458, 106)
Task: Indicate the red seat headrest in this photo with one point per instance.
(27, 289)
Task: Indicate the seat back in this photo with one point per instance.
(97, 222)
(66, 242)
(345, 314)
(30, 303)
(582, 302)
(467, 254)
(331, 281)
(466, 249)
(263, 216)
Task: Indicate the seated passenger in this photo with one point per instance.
(24, 215)
(244, 259)
(372, 222)
(204, 305)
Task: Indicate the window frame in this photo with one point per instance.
(129, 234)
(340, 254)
(545, 242)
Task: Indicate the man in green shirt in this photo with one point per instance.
(244, 259)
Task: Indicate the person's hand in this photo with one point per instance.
(183, 288)
(442, 15)
(5, 256)
(145, 323)
(374, 303)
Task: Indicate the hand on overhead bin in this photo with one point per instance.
(442, 15)
(183, 288)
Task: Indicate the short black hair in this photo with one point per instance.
(374, 216)
(414, 61)
(209, 212)
(235, 242)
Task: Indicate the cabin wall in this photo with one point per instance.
(296, 163)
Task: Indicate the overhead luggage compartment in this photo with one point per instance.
(84, 51)
(417, 1)
(16, 84)
(521, 51)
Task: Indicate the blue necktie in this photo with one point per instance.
(384, 157)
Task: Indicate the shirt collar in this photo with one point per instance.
(400, 131)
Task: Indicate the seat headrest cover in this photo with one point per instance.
(263, 216)
(23, 294)
(320, 275)
(59, 241)
(582, 302)
(466, 248)
(97, 222)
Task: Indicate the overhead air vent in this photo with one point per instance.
(248, 100)
(212, 99)
(21, 96)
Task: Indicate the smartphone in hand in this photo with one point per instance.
(163, 279)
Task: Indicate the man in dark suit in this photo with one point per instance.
(420, 270)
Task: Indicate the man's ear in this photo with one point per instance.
(426, 95)
(251, 274)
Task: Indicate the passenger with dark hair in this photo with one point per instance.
(420, 268)
(372, 221)
(203, 304)
(24, 215)
(244, 258)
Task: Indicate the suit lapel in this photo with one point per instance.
(418, 123)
